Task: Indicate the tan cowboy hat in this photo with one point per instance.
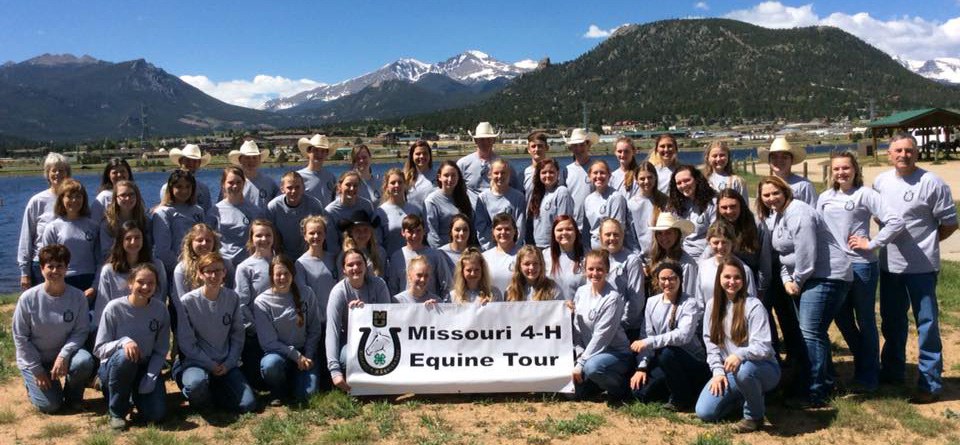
(581, 135)
(781, 144)
(318, 141)
(668, 220)
(249, 148)
(484, 130)
(190, 151)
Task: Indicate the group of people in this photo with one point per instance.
(671, 279)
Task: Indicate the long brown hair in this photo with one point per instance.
(738, 325)
(118, 256)
(747, 240)
(702, 196)
(543, 287)
(285, 261)
(410, 171)
(251, 247)
(460, 197)
(112, 213)
(658, 198)
(555, 246)
(778, 183)
(659, 254)
(857, 173)
(539, 188)
(68, 186)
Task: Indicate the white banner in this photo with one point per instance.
(460, 348)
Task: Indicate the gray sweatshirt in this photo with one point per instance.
(555, 202)
(664, 176)
(319, 274)
(528, 180)
(391, 223)
(112, 285)
(370, 188)
(38, 212)
(578, 183)
(422, 187)
(471, 295)
(275, 318)
(338, 211)
(440, 208)
(321, 185)
(681, 332)
(260, 190)
(148, 326)
(806, 247)
(440, 275)
(252, 279)
(286, 220)
(210, 332)
(374, 291)
(706, 279)
(596, 323)
(598, 206)
(204, 198)
(406, 297)
(476, 173)
(696, 242)
(847, 214)
(568, 277)
(99, 204)
(926, 203)
(46, 327)
(758, 347)
(720, 182)
(802, 189)
(82, 238)
(232, 222)
(626, 277)
(170, 225)
(511, 202)
(181, 285)
(638, 235)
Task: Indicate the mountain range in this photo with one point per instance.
(469, 68)
(941, 69)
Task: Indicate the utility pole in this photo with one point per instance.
(585, 114)
(143, 125)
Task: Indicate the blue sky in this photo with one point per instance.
(293, 45)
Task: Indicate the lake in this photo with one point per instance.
(15, 191)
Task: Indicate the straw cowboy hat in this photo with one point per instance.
(190, 151)
(484, 130)
(781, 144)
(668, 220)
(581, 135)
(249, 148)
(317, 141)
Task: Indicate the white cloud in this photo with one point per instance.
(703, 6)
(595, 32)
(910, 37)
(251, 94)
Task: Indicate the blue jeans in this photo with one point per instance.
(120, 379)
(283, 378)
(673, 374)
(231, 389)
(744, 387)
(819, 301)
(79, 371)
(897, 293)
(607, 371)
(857, 321)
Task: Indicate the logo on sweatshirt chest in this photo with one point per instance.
(908, 196)
(154, 325)
(849, 206)
(379, 349)
(197, 217)
(68, 316)
(227, 319)
(88, 235)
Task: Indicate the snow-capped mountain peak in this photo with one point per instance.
(469, 67)
(941, 69)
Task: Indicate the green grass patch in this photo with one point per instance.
(8, 360)
(9, 298)
(439, 430)
(852, 414)
(948, 285)
(279, 430)
(509, 429)
(908, 416)
(99, 438)
(353, 432)
(647, 410)
(334, 405)
(385, 417)
(7, 416)
(712, 439)
(153, 436)
(582, 423)
(53, 430)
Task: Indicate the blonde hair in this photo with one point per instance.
(419, 259)
(459, 290)
(188, 257)
(543, 287)
(386, 180)
(313, 219)
(708, 169)
(376, 264)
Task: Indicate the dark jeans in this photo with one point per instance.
(675, 375)
(785, 307)
(120, 381)
(250, 361)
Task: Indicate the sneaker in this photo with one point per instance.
(924, 397)
(670, 406)
(117, 423)
(746, 425)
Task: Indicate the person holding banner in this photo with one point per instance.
(564, 257)
(287, 319)
(530, 281)
(356, 289)
(670, 358)
(210, 337)
(418, 278)
(471, 280)
(626, 276)
(603, 360)
(501, 258)
(739, 352)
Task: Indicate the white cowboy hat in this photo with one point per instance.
(190, 151)
(249, 148)
(781, 144)
(484, 130)
(318, 141)
(581, 135)
(668, 220)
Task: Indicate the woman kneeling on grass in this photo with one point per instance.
(132, 344)
(736, 333)
(210, 335)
